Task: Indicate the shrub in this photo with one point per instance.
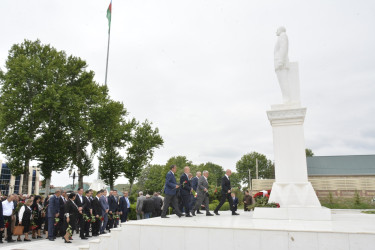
(225, 206)
(132, 214)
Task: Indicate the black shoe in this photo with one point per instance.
(95, 235)
(26, 240)
(164, 217)
(193, 212)
(209, 214)
(19, 240)
(67, 241)
(10, 240)
(235, 213)
(179, 215)
(199, 212)
(88, 236)
(39, 237)
(51, 239)
(84, 238)
(217, 213)
(188, 215)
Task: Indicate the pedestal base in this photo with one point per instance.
(294, 194)
(293, 213)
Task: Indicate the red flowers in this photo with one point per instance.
(185, 181)
(101, 218)
(6, 224)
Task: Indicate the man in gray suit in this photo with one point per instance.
(202, 197)
(105, 208)
(139, 206)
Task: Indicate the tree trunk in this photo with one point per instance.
(48, 186)
(130, 187)
(80, 180)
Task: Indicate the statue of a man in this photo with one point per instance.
(281, 61)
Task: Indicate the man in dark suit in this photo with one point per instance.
(170, 193)
(81, 204)
(194, 185)
(52, 213)
(185, 190)
(60, 226)
(87, 210)
(113, 209)
(226, 189)
(158, 203)
(124, 207)
(97, 212)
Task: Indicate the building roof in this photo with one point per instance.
(341, 165)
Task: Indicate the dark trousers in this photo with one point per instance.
(186, 203)
(51, 227)
(225, 197)
(170, 200)
(96, 227)
(124, 215)
(87, 226)
(59, 228)
(9, 229)
(81, 223)
(111, 221)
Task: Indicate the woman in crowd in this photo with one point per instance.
(37, 208)
(71, 215)
(25, 216)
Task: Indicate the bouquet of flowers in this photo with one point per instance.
(93, 219)
(116, 217)
(69, 230)
(194, 193)
(33, 226)
(101, 218)
(86, 218)
(56, 221)
(6, 223)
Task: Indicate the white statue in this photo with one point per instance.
(281, 61)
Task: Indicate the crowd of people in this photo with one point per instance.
(62, 214)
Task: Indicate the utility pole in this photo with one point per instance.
(250, 186)
(256, 165)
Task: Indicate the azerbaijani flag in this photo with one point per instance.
(109, 14)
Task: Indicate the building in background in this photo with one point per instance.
(340, 176)
(13, 184)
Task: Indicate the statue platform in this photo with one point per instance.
(348, 229)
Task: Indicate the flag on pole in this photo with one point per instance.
(109, 14)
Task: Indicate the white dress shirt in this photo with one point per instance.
(7, 208)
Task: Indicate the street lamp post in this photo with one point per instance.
(73, 176)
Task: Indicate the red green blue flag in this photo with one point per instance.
(109, 14)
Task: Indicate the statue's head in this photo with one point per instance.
(280, 30)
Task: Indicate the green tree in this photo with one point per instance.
(110, 165)
(152, 179)
(180, 162)
(266, 168)
(31, 69)
(110, 132)
(235, 180)
(216, 172)
(82, 95)
(309, 152)
(144, 140)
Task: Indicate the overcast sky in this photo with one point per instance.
(202, 70)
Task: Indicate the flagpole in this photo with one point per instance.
(106, 66)
(109, 37)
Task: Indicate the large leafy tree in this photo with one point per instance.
(247, 162)
(144, 140)
(309, 152)
(216, 172)
(110, 133)
(31, 70)
(82, 95)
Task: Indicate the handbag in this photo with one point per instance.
(18, 230)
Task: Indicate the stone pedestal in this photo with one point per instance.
(291, 189)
